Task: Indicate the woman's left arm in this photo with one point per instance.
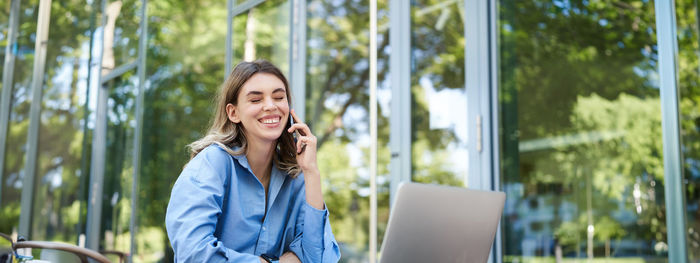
(306, 158)
(316, 243)
(314, 240)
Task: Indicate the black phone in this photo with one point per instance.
(296, 133)
(289, 125)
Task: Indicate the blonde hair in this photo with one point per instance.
(228, 134)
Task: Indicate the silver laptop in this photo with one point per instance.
(432, 223)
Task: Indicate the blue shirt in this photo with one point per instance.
(217, 213)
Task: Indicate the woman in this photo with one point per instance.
(249, 192)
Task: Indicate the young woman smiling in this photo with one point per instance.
(249, 192)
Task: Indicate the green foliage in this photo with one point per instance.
(10, 215)
(578, 80)
(185, 66)
(337, 110)
(689, 89)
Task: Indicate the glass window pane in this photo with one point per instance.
(580, 132)
(262, 32)
(116, 200)
(61, 171)
(337, 110)
(4, 37)
(125, 44)
(689, 86)
(438, 94)
(15, 151)
(185, 66)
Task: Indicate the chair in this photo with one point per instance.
(6, 252)
(60, 252)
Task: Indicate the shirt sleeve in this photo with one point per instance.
(314, 240)
(193, 212)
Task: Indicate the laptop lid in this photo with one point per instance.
(433, 223)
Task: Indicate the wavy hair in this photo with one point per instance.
(228, 134)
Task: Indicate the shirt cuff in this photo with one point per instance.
(315, 224)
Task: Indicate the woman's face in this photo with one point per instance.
(262, 108)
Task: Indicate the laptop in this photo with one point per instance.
(433, 223)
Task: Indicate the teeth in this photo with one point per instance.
(271, 121)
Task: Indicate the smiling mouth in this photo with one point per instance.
(273, 120)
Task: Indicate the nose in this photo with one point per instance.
(269, 105)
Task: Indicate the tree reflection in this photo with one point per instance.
(337, 110)
(185, 66)
(581, 129)
(689, 87)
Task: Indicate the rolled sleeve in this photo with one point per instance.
(193, 211)
(316, 242)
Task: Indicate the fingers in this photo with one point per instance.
(302, 128)
(301, 145)
(294, 115)
(306, 137)
(305, 141)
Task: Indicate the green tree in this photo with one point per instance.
(185, 66)
(580, 120)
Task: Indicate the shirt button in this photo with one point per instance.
(264, 228)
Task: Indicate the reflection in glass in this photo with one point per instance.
(688, 75)
(337, 110)
(125, 39)
(185, 66)
(118, 177)
(262, 32)
(438, 95)
(15, 152)
(4, 39)
(580, 132)
(57, 201)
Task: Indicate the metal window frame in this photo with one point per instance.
(118, 71)
(480, 85)
(100, 134)
(7, 85)
(400, 77)
(670, 122)
(297, 56)
(229, 37)
(373, 130)
(477, 86)
(494, 163)
(42, 35)
(99, 144)
(136, 161)
(245, 6)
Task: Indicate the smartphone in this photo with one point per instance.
(295, 134)
(289, 125)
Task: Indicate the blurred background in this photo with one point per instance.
(557, 104)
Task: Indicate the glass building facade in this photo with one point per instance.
(586, 113)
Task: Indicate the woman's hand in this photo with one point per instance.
(289, 257)
(306, 158)
(306, 146)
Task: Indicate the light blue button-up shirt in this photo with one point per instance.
(217, 213)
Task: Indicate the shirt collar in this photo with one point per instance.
(277, 176)
(242, 159)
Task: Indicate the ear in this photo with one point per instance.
(232, 113)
